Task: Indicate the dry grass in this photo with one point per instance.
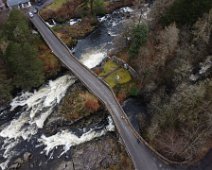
(70, 34)
(56, 4)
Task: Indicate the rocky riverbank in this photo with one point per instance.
(102, 153)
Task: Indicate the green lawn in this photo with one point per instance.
(113, 78)
(121, 76)
(108, 67)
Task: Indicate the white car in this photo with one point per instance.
(31, 14)
(126, 66)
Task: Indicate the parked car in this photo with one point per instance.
(31, 15)
(126, 66)
(35, 10)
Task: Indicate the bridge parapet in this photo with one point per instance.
(134, 132)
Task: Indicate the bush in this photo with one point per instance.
(99, 7)
(185, 12)
(134, 91)
(139, 38)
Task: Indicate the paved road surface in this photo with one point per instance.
(141, 156)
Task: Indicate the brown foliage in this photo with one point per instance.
(118, 4)
(50, 63)
(121, 96)
(203, 28)
(79, 103)
(78, 30)
(67, 11)
(97, 70)
(92, 105)
(168, 41)
(3, 17)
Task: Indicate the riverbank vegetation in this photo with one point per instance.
(71, 33)
(25, 60)
(118, 78)
(174, 67)
(79, 103)
(63, 10)
(19, 55)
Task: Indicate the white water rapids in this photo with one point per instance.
(35, 109)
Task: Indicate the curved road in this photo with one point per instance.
(142, 157)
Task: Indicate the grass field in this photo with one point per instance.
(118, 77)
(108, 67)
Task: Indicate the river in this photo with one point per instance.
(23, 123)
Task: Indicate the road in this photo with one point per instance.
(142, 157)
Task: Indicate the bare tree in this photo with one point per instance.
(168, 41)
(203, 28)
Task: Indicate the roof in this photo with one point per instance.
(16, 2)
(1, 3)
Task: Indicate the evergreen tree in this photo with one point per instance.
(186, 12)
(24, 67)
(139, 38)
(21, 55)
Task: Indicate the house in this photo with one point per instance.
(18, 4)
(2, 6)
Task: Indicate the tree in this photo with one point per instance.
(16, 27)
(184, 120)
(95, 6)
(20, 56)
(203, 28)
(185, 12)
(168, 39)
(25, 68)
(5, 85)
(139, 38)
(98, 7)
(91, 6)
(158, 9)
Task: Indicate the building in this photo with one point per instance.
(18, 3)
(2, 5)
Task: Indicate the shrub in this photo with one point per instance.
(134, 91)
(139, 38)
(185, 12)
(92, 105)
(99, 7)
